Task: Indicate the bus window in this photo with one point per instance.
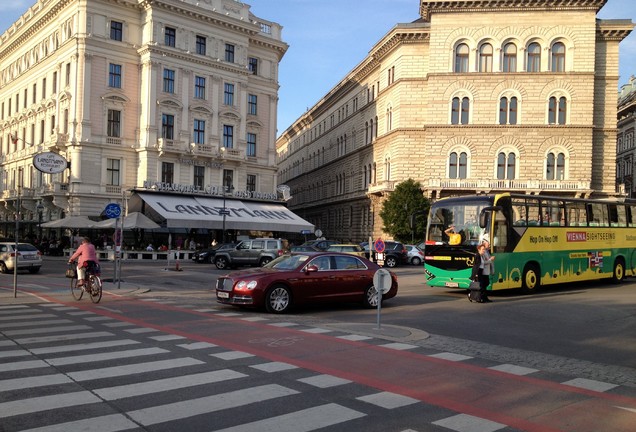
(597, 214)
(553, 213)
(577, 214)
(618, 215)
(534, 215)
(500, 239)
(631, 216)
(519, 212)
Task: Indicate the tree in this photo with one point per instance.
(406, 204)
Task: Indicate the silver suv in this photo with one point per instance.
(29, 257)
(253, 252)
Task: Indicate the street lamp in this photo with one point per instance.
(40, 209)
(227, 187)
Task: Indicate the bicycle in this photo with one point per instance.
(92, 284)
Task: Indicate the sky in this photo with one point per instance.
(329, 38)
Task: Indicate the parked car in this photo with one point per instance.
(353, 249)
(29, 257)
(320, 244)
(207, 255)
(303, 278)
(394, 253)
(302, 248)
(252, 252)
(415, 254)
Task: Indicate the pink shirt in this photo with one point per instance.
(86, 252)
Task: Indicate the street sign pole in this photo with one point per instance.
(382, 283)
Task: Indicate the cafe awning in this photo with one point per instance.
(190, 211)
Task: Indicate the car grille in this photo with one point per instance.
(224, 284)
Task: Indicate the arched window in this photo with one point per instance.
(557, 110)
(485, 58)
(555, 166)
(558, 57)
(460, 110)
(457, 165)
(387, 169)
(461, 58)
(510, 58)
(389, 119)
(534, 57)
(508, 110)
(506, 166)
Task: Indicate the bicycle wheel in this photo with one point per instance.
(95, 288)
(76, 291)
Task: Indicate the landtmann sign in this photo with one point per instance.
(50, 163)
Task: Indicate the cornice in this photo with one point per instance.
(435, 6)
(613, 30)
(157, 52)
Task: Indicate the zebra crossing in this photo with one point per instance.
(63, 369)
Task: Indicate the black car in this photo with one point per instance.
(394, 253)
(207, 255)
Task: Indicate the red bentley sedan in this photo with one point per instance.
(303, 278)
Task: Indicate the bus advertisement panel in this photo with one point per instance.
(537, 240)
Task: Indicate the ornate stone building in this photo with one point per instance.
(179, 93)
(625, 146)
(475, 96)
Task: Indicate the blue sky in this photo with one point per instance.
(328, 38)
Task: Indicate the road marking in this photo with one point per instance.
(324, 381)
(8, 307)
(109, 423)
(354, 337)
(399, 346)
(468, 423)
(23, 365)
(388, 400)
(167, 384)
(232, 355)
(118, 324)
(14, 353)
(64, 337)
(167, 337)
(514, 369)
(450, 356)
(45, 403)
(4, 343)
(31, 382)
(82, 347)
(254, 319)
(140, 330)
(116, 371)
(316, 330)
(284, 324)
(40, 330)
(62, 361)
(589, 384)
(34, 323)
(301, 421)
(197, 346)
(30, 316)
(274, 367)
(98, 318)
(188, 408)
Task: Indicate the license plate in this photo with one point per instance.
(223, 295)
(451, 284)
(29, 257)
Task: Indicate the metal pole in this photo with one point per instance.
(224, 214)
(17, 230)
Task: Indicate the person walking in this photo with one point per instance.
(85, 256)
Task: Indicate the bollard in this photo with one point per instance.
(178, 253)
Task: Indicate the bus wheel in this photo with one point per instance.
(531, 279)
(619, 271)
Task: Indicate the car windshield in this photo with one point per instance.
(27, 248)
(287, 262)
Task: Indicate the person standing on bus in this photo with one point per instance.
(482, 269)
(453, 237)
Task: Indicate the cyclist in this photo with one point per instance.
(86, 256)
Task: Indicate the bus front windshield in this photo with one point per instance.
(457, 222)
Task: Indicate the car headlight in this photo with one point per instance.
(246, 285)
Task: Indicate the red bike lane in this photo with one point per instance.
(521, 402)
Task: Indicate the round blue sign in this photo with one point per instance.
(112, 210)
(379, 246)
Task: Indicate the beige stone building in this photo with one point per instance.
(625, 146)
(176, 95)
(475, 96)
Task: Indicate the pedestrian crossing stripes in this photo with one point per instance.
(136, 379)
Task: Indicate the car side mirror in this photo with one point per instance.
(311, 269)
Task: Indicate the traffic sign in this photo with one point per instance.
(382, 281)
(112, 210)
(379, 245)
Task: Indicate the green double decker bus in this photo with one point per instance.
(537, 240)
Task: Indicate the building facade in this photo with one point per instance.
(625, 146)
(177, 93)
(473, 97)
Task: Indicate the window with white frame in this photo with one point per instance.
(114, 123)
(508, 108)
(167, 172)
(460, 110)
(506, 165)
(228, 136)
(509, 57)
(170, 36)
(250, 184)
(113, 172)
(198, 133)
(533, 55)
(485, 58)
(116, 30)
(199, 87)
(168, 80)
(458, 165)
(198, 179)
(251, 144)
(557, 110)
(555, 165)
(167, 126)
(114, 75)
(228, 96)
(229, 53)
(200, 44)
(558, 57)
(252, 104)
(461, 58)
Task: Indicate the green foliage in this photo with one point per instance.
(406, 200)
